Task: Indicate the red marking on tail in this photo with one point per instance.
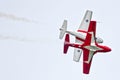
(66, 43)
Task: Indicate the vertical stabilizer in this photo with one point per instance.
(66, 43)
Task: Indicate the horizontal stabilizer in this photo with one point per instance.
(63, 29)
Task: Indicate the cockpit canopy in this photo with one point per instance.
(99, 40)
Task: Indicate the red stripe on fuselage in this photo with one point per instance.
(82, 31)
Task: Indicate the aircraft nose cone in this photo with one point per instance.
(108, 49)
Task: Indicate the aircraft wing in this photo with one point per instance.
(84, 26)
(77, 54)
(86, 21)
(87, 59)
(87, 52)
(77, 51)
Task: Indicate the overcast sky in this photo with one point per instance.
(31, 50)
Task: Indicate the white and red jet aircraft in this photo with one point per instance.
(85, 41)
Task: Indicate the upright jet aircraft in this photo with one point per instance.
(86, 41)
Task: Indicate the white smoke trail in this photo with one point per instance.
(13, 17)
(23, 39)
(42, 41)
(15, 38)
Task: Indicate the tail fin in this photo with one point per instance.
(63, 29)
(66, 43)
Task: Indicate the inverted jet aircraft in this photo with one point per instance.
(86, 41)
